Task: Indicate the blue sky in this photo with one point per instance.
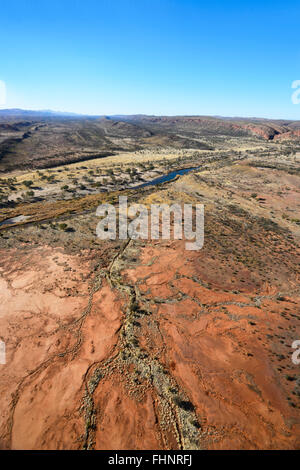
(233, 58)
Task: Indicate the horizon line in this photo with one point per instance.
(76, 114)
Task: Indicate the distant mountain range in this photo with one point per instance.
(269, 129)
(17, 112)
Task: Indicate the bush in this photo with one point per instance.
(185, 405)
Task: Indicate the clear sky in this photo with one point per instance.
(233, 58)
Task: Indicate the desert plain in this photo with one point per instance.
(141, 344)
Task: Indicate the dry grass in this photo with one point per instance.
(40, 211)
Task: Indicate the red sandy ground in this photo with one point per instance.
(153, 346)
(214, 343)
